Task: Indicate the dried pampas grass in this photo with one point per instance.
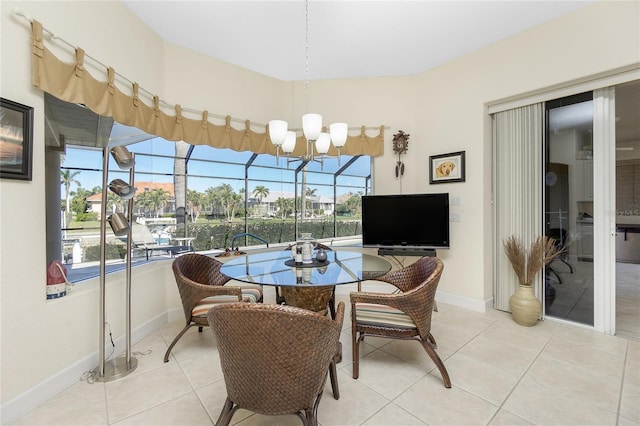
(526, 264)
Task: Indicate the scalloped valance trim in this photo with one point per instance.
(73, 83)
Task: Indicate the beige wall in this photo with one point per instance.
(443, 110)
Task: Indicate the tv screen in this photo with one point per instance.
(419, 221)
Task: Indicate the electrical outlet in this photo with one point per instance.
(455, 217)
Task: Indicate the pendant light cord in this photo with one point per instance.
(306, 55)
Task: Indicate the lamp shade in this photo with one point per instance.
(119, 224)
(338, 133)
(123, 157)
(311, 126)
(323, 143)
(122, 189)
(278, 131)
(290, 142)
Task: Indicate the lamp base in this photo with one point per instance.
(116, 369)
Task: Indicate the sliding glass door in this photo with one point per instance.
(569, 208)
(580, 208)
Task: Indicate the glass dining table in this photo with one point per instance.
(307, 286)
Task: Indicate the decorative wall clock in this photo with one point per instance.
(400, 145)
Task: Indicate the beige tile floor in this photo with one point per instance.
(574, 296)
(502, 374)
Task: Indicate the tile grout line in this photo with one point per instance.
(524, 373)
(622, 381)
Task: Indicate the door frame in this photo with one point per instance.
(604, 210)
(604, 177)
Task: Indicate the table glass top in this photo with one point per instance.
(269, 268)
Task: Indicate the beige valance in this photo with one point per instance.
(73, 83)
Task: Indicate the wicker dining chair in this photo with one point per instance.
(401, 315)
(274, 358)
(201, 285)
(295, 293)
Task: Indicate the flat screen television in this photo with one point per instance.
(412, 221)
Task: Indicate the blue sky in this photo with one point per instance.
(204, 174)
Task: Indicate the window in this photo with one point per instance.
(203, 198)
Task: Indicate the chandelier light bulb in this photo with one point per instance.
(311, 126)
(323, 143)
(278, 131)
(338, 132)
(289, 142)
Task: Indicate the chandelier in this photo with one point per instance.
(317, 141)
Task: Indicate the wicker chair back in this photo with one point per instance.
(417, 284)
(274, 358)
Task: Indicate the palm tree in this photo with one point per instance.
(79, 200)
(67, 178)
(142, 201)
(153, 200)
(285, 206)
(158, 199)
(309, 193)
(228, 199)
(260, 192)
(114, 201)
(224, 197)
(233, 202)
(211, 198)
(194, 203)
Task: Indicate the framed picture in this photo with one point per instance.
(446, 168)
(16, 140)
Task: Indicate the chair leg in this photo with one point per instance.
(437, 361)
(227, 413)
(184, 330)
(432, 340)
(305, 417)
(553, 271)
(332, 304)
(333, 375)
(355, 351)
(312, 413)
(568, 264)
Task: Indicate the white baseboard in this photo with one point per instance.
(45, 390)
(465, 302)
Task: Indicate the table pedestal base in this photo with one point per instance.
(311, 298)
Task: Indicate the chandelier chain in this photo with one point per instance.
(306, 54)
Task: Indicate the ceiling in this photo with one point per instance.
(348, 38)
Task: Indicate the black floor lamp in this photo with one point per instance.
(121, 226)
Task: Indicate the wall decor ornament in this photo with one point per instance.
(16, 140)
(445, 168)
(400, 146)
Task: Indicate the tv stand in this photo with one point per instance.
(399, 251)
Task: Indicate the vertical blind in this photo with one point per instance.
(518, 136)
